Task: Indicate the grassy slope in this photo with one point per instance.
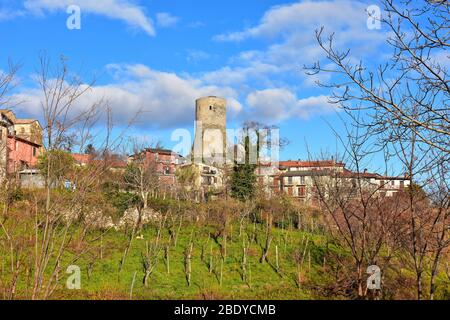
(264, 282)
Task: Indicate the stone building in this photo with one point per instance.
(210, 141)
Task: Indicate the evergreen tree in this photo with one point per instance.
(90, 149)
(243, 178)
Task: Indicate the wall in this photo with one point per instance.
(29, 131)
(21, 152)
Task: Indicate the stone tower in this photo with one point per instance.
(210, 130)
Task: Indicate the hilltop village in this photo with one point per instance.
(22, 144)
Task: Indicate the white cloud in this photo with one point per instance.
(123, 10)
(442, 58)
(197, 55)
(238, 76)
(166, 20)
(161, 99)
(196, 24)
(7, 14)
(167, 100)
(305, 15)
(290, 30)
(280, 104)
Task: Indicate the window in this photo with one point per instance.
(276, 182)
(302, 180)
(301, 191)
(210, 107)
(289, 180)
(167, 170)
(34, 151)
(402, 184)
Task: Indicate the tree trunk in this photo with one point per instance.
(419, 285)
(359, 282)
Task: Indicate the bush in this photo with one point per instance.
(120, 200)
(16, 195)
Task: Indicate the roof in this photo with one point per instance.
(10, 114)
(117, 163)
(30, 171)
(307, 173)
(365, 174)
(346, 174)
(160, 151)
(371, 175)
(82, 158)
(18, 138)
(312, 164)
(113, 162)
(25, 121)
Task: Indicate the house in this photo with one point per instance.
(112, 162)
(27, 129)
(6, 130)
(22, 154)
(268, 177)
(165, 161)
(299, 179)
(18, 151)
(385, 185)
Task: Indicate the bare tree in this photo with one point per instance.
(411, 90)
(42, 243)
(142, 173)
(358, 217)
(403, 105)
(440, 195)
(8, 81)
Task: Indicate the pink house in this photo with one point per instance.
(22, 154)
(20, 143)
(165, 161)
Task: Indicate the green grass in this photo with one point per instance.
(263, 280)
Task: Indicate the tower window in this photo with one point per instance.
(210, 107)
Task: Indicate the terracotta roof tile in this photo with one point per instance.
(306, 164)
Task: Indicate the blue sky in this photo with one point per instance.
(158, 56)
